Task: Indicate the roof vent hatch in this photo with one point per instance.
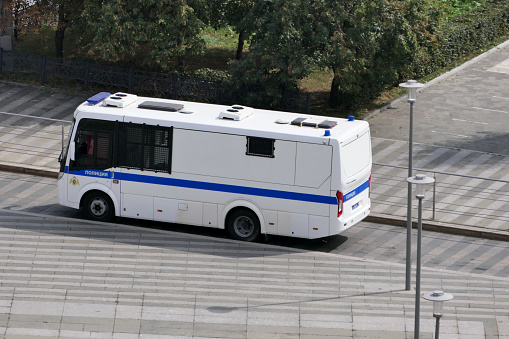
(120, 100)
(236, 113)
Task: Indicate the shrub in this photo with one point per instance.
(459, 36)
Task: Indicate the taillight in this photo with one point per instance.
(369, 187)
(339, 196)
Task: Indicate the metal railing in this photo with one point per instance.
(43, 137)
(458, 195)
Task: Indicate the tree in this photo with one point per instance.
(232, 13)
(285, 46)
(67, 12)
(368, 44)
(159, 29)
(378, 44)
(26, 16)
(355, 38)
(30, 15)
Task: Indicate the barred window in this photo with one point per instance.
(146, 147)
(261, 147)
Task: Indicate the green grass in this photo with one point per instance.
(456, 7)
(221, 46)
(224, 38)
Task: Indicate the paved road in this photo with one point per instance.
(367, 240)
(31, 142)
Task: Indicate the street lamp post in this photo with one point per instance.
(438, 298)
(411, 86)
(420, 180)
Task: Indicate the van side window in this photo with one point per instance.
(94, 144)
(261, 147)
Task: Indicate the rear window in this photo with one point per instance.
(355, 155)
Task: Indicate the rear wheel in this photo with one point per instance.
(98, 206)
(243, 224)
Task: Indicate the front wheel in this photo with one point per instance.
(243, 224)
(98, 206)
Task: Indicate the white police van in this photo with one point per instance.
(247, 170)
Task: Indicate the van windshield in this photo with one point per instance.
(65, 147)
(356, 154)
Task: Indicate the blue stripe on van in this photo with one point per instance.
(350, 195)
(209, 186)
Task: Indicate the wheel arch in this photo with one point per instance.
(240, 204)
(95, 187)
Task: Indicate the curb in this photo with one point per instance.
(46, 88)
(31, 171)
(427, 225)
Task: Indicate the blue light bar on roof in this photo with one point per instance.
(98, 98)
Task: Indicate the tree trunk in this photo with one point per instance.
(334, 90)
(240, 45)
(181, 61)
(59, 34)
(15, 28)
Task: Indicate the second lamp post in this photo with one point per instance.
(420, 181)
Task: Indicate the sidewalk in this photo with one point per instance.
(460, 127)
(464, 206)
(68, 278)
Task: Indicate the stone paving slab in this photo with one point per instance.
(67, 278)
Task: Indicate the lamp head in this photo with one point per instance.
(438, 297)
(411, 86)
(420, 181)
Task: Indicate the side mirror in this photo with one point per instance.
(72, 151)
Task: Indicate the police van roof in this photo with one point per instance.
(236, 119)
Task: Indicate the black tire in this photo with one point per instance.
(98, 206)
(243, 224)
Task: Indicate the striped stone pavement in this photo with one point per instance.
(475, 203)
(30, 142)
(36, 194)
(67, 278)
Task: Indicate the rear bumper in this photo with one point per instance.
(341, 224)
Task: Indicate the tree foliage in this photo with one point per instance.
(27, 16)
(162, 29)
(367, 44)
(234, 14)
(30, 15)
(67, 13)
(286, 43)
(377, 47)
